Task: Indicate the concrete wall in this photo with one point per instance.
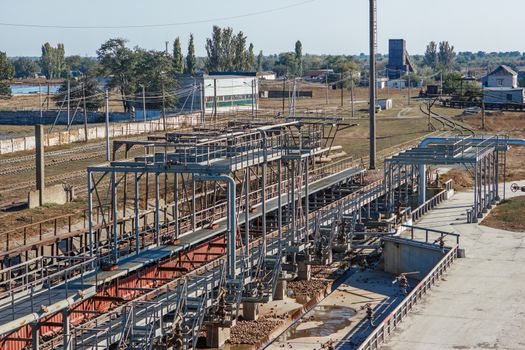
(52, 195)
(97, 132)
(402, 255)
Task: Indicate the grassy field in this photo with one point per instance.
(508, 215)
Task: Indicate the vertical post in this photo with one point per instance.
(163, 107)
(40, 101)
(35, 336)
(441, 84)
(326, 84)
(482, 114)
(342, 90)
(422, 183)
(107, 124)
(66, 331)
(284, 90)
(203, 107)
(85, 113)
(157, 216)
(176, 203)
(253, 99)
(215, 98)
(115, 216)
(144, 103)
(40, 165)
(247, 213)
(408, 92)
(372, 84)
(352, 94)
(137, 214)
(279, 204)
(90, 214)
(68, 103)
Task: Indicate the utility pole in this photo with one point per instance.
(284, 90)
(40, 165)
(163, 107)
(68, 100)
(352, 93)
(253, 99)
(203, 107)
(342, 90)
(85, 113)
(326, 83)
(408, 89)
(482, 114)
(40, 101)
(167, 43)
(47, 98)
(441, 83)
(106, 95)
(373, 31)
(145, 117)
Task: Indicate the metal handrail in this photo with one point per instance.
(391, 322)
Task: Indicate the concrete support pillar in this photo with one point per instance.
(216, 336)
(304, 271)
(250, 311)
(40, 165)
(280, 290)
(422, 186)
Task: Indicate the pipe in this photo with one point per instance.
(428, 140)
(232, 219)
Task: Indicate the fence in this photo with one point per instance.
(98, 132)
(387, 327)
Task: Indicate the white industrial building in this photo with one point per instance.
(226, 92)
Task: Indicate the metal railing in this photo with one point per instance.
(392, 321)
(431, 203)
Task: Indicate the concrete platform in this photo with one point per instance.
(481, 302)
(339, 319)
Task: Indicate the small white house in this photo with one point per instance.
(381, 83)
(501, 77)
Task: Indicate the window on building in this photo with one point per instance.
(499, 82)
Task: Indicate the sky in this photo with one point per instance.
(323, 26)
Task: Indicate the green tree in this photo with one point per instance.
(178, 59)
(87, 66)
(25, 67)
(154, 70)
(260, 58)
(347, 68)
(118, 64)
(191, 60)
(286, 64)
(251, 57)
(299, 57)
(52, 61)
(214, 50)
(7, 71)
(240, 59)
(446, 54)
(80, 88)
(431, 55)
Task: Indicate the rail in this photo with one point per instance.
(432, 202)
(392, 321)
(429, 231)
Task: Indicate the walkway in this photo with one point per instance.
(481, 302)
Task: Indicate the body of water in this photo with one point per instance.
(33, 89)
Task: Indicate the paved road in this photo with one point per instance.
(481, 302)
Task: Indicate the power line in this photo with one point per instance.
(209, 20)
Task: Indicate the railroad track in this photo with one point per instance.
(446, 122)
(58, 153)
(53, 162)
(49, 180)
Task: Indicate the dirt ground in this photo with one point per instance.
(508, 215)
